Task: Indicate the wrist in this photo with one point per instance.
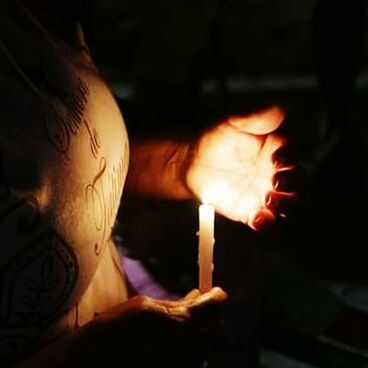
(185, 157)
(159, 169)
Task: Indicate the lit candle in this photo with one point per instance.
(205, 249)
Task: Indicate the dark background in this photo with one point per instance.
(188, 62)
(181, 65)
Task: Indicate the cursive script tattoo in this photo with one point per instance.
(60, 129)
(103, 196)
(94, 141)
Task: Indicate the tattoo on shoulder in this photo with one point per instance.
(37, 276)
(103, 196)
(94, 141)
(60, 129)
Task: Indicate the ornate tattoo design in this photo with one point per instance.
(34, 287)
(36, 277)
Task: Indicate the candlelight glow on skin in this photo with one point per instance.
(236, 169)
(240, 153)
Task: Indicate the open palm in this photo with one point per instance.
(234, 168)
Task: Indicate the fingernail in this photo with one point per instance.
(263, 220)
(261, 223)
(268, 199)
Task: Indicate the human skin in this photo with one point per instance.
(239, 159)
(65, 157)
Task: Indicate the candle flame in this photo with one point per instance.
(214, 192)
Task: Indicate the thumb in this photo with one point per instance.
(261, 122)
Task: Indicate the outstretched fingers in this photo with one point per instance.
(260, 122)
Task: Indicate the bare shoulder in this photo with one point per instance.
(64, 157)
(38, 273)
(41, 95)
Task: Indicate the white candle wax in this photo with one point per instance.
(205, 249)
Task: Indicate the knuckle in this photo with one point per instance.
(142, 302)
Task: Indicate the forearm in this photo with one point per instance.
(158, 169)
